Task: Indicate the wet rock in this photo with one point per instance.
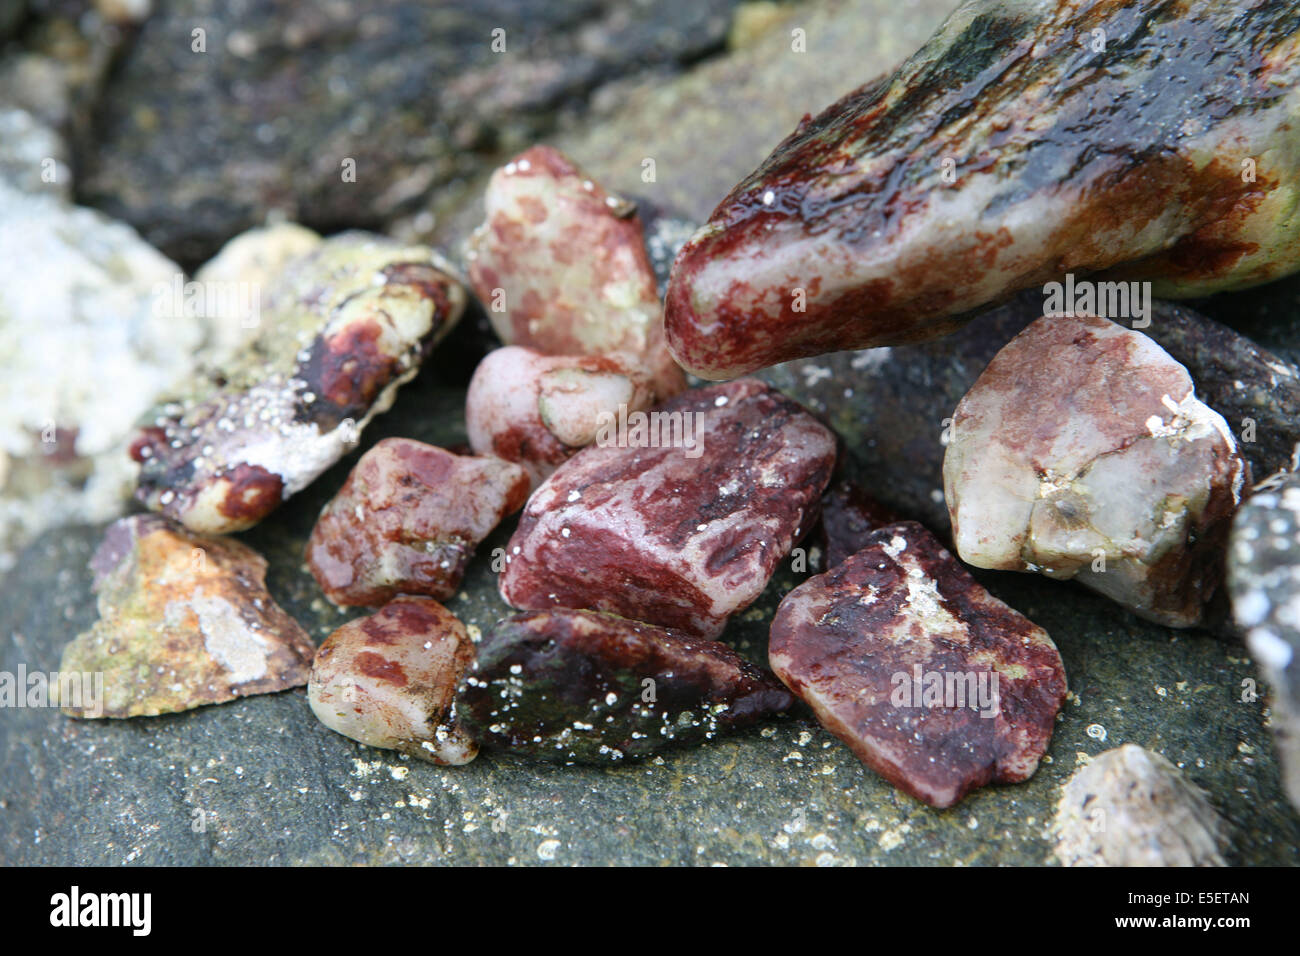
(86, 348)
(678, 519)
(538, 410)
(561, 265)
(849, 517)
(1081, 452)
(1264, 583)
(1254, 389)
(931, 681)
(920, 197)
(407, 521)
(184, 620)
(389, 681)
(346, 325)
(586, 687)
(243, 271)
(417, 96)
(1132, 807)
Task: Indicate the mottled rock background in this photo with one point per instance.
(174, 149)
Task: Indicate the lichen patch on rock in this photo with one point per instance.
(184, 620)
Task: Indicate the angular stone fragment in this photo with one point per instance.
(1264, 582)
(1027, 139)
(538, 410)
(678, 519)
(389, 681)
(1082, 452)
(407, 521)
(1132, 807)
(587, 687)
(184, 620)
(342, 329)
(237, 280)
(849, 517)
(932, 682)
(561, 266)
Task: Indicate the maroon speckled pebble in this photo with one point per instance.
(407, 521)
(683, 536)
(932, 682)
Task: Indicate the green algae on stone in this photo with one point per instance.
(184, 620)
(344, 327)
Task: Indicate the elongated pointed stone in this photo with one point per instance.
(407, 521)
(389, 681)
(342, 329)
(931, 681)
(561, 266)
(677, 518)
(586, 687)
(1025, 140)
(1082, 452)
(184, 620)
(1264, 581)
(538, 410)
(1132, 807)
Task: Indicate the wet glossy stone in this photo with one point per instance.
(1006, 152)
(1132, 807)
(407, 521)
(1081, 452)
(538, 410)
(1264, 582)
(849, 517)
(586, 687)
(931, 681)
(389, 681)
(343, 328)
(679, 522)
(184, 620)
(561, 266)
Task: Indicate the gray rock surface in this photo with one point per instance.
(191, 147)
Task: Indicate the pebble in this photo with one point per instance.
(1132, 807)
(678, 528)
(343, 328)
(1264, 583)
(389, 680)
(184, 620)
(407, 521)
(538, 410)
(1082, 452)
(977, 169)
(931, 681)
(587, 687)
(561, 267)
